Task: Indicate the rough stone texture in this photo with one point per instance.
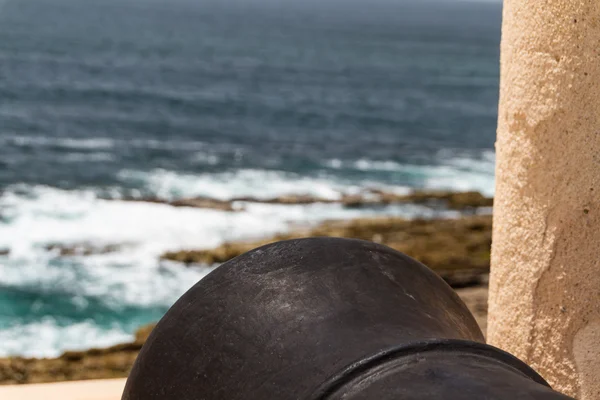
(545, 283)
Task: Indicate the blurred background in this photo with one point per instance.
(115, 113)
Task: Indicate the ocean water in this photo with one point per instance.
(101, 100)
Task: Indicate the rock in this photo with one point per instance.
(448, 246)
(457, 249)
(204, 202)
(369, 198)
(460, 201)
(82, 249)
(154, 200)
(192, 202)
(464, 278)
(454, 200)
(141, 335)
(358, 201)
(4, 252)
(292, 199)
(219, 255)
(114, 362)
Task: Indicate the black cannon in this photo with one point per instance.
(325, 318)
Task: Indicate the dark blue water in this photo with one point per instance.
(256, 84)
(219, 98)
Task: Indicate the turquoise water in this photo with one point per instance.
(102, 100)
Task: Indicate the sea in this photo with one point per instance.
(102, 101)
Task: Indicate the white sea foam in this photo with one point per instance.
(45, 215)
(454, 172)
(99, 143)
(47, 338)
(67, 143)
(132, 276)
(228, 185)
(368, 165)
(461, 173)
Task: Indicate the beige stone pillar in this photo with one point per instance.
(545, 282)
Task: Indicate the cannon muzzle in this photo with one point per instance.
(325, 318)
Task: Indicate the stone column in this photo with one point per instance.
(545, 281)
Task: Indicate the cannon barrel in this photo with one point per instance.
(325, 318)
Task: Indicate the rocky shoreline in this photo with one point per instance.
(457, 249)
(112, 362)
(460, 201)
